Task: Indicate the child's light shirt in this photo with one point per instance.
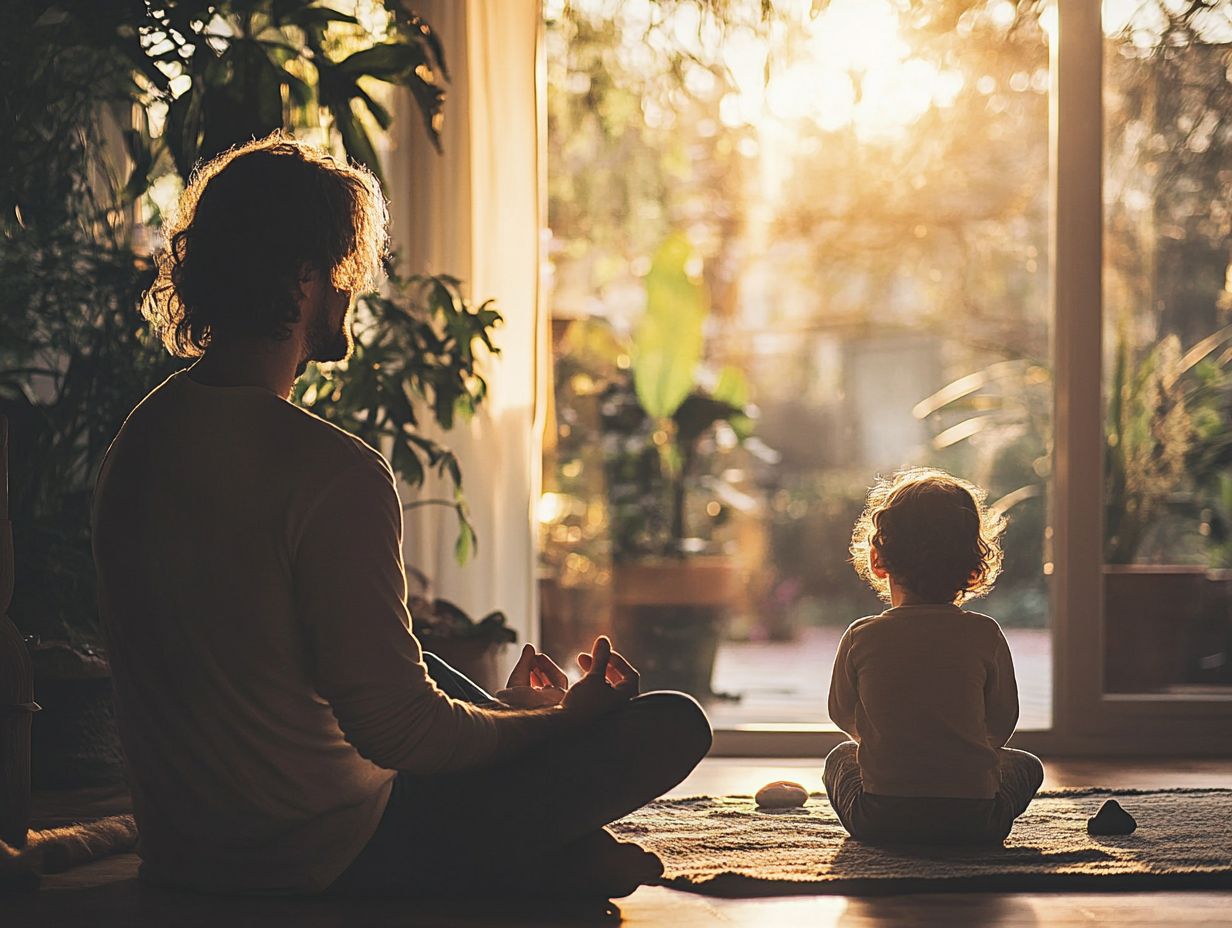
(929, 694)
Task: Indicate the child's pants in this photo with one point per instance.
(923, 820)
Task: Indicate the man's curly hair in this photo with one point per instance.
(934, 534)
(248, 224)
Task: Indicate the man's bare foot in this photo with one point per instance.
(601, 865)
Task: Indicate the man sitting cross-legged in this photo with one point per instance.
(282, 730)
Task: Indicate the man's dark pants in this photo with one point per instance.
(480, 831)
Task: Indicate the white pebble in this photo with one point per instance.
(781, 794)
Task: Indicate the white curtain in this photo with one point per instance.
(475, 212)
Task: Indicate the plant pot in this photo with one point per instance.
(1210, 651)
(669, 616)
(1150, 613)
(477, 658)
(74, 741)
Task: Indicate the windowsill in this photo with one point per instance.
(826, 728)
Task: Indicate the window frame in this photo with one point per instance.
(1085, 717)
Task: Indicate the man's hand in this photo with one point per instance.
(535, 683)
(610, 682)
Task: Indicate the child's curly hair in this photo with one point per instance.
(248, 223)
(934, 535)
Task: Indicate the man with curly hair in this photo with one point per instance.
(926, 689)
(283, 731)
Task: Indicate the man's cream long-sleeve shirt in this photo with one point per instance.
(929, 693)
(252, 592)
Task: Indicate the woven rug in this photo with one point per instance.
(725, 846)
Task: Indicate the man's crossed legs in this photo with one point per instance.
(534, 824)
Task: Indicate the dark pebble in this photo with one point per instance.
(1111, 819)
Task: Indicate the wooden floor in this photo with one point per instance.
(105, 894)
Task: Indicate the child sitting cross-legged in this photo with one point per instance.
(926, 689)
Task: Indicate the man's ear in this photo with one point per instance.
(875, 564)
(305, 283)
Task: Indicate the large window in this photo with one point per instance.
(1168, 347)
(790, 250)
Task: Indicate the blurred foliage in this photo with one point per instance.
(104, 100)
(666, 353)
(670, 481)
(1168, 444)
(667, 346)
(841, 240)
(633, 121)
(1167, 222)
(827, 224)
(648, 456)
(1169, 410)
(75, 358)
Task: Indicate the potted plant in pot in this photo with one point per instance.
(671, 599)
(473, 647)
(672, 589)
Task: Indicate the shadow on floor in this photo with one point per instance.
(107, 894)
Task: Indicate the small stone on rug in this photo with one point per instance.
(781, 794)
(1111, 819)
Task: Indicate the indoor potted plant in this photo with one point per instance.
(476, 648)
(672, 589)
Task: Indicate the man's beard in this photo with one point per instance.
(326, 344)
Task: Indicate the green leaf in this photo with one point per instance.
(467, 542)
(244, 99)
(732, 388)
(300, 91)
(143, 159)
(412, 26)
(667, 346)
(355, 140)
(406, 464)
(389, 61)
(183, 133)
(696, 414)
(383, 117)
(431, 101)
(317, 16)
